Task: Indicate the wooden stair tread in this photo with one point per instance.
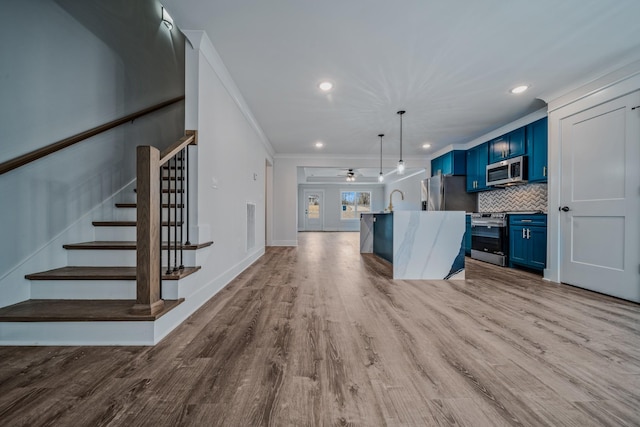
(135, 205)
(129, 223)
(103, 273)
(128, 245)
(78, 311)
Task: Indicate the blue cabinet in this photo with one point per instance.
(451, 163)
(477, 160)
(383, 236)
(507, 146)
(467, 235)
(537, 149)
(528, 241)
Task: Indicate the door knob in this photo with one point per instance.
(564, 209)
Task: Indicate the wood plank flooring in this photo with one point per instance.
(321, 335)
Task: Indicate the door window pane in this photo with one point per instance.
(313, 206)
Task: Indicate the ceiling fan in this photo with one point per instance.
(350, 174)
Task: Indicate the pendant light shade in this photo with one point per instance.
(381, 176)
(401, 162)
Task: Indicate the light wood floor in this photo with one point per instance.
(320, 335)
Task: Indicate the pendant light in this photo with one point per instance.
(381, 176)
(401, 162)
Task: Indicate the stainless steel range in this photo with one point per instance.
(490, 237)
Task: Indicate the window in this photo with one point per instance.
(354, 203)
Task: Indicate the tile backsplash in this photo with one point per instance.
(528, 197)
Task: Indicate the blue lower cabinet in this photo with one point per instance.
(528, 241)
(518, 245)
(383, 236)
(538, 254)
(467, 236)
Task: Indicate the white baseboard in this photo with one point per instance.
(284, 243)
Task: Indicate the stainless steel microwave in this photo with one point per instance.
(507, 172)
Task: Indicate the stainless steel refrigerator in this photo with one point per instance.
(448, 193)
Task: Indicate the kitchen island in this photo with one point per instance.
(419, 244)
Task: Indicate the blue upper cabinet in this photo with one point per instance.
(507, 146)
(537, 150)
(451, 163)
(477, 160)
(436, 166)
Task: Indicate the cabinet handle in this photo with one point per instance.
(528, 233)
(526, 220)
(524, 234)
(544, 171)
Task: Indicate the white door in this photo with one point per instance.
(600, 198)
(313, 212)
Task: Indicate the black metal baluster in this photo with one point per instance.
(182, 155)
(187, 182)
(168, 217)
(175, 216)
(160, 234)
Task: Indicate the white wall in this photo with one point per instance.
(62, 71)
(333, 204)
(230, 158)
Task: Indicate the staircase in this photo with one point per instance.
(92, 299)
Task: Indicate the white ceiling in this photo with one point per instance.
(449, 64)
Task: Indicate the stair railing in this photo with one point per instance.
(32, 156)
(149, 223)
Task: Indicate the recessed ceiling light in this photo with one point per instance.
(519, 89)
(426, 146)
(319, 144)
(325, 86)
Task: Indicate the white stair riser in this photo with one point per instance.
(111, 233)
(83, 289)
(120, 258)
(130, 214)
(96, 289)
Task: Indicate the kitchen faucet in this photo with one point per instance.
(390, 207)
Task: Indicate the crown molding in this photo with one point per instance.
(199, 40)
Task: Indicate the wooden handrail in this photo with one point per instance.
(15, 163)
(168, 153)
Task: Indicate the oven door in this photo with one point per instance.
(489, 243)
